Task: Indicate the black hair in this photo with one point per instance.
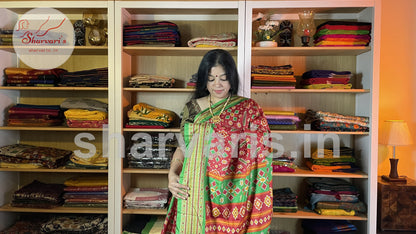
(211, 59)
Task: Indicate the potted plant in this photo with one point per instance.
(266, 30)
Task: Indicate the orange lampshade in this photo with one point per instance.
(395, 133)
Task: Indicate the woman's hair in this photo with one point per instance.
(211, 59)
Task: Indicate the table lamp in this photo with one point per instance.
(395, 133)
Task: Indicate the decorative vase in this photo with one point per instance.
(266, 44)
(306, 27)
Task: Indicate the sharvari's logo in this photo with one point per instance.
(43, 38)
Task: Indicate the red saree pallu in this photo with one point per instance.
(228, 169)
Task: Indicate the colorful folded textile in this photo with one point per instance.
(143, 114)
(46, 156)
(315, 226)
(85, 181)
(284, 200)
(31, 77)
(38, 195)
(217, 40)
(85, 78)
(272, 76)
(84, 103)
(151, 81)
(343, 33)
(327, 121)
(87, 224)
(163, 33)
(95, 162)
(82, 114)
(146, 198)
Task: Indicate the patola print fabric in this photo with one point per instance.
(230, 181)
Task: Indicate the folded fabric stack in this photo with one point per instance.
(272, 77)
(284, 200)
(144, 198)
(34, 115)
(28, 156)
(76, 224)
(343, 33)
(334, 196)
(151, 155)
(218, 40)
(327, 121)
(151, 81)
(319, 226)
(282, 120)
(284, 164)
(163, 33)
(143, 115)
(328, 162)
(86, 78)
(6, 37)
(86, 191)
(31, 77)
(144, 224)
(192, 82)
(27, 224)
(38, 195)
(85, 113)
(326, 79)
(97, 161)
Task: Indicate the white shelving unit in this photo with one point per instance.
(362, 100)
(82, 58)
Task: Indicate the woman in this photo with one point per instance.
(221, 179)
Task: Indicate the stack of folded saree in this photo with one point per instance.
(34, 115)
(6, 37)
(15, 76)
(38, 195)
(85, 78)
(343, 33)
(282, 120)
(143, 115)
(334, 196)
(284, 164)
(28, 156)
(146, 198)
(272, 77)
(326, 161)
(326, 79)
(217, 40)
(85, 113)
(151, 81)
(97, 161)
(86, 191)
(152, 154)
(284, 200)
(318, 226)
(163, 33)
(192, 82)
(327, 121)
(76, 224)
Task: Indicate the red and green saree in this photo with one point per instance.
(228, 169)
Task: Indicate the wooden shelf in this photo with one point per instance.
(54, 88)
(309, 51)
(306, 214)
(59, 209)
(146, 211)
(305, 172)
(145, 171)
(179, 90)
(78, 50)
(352, 91)
(151, 130)
(55, 128)
(317, 132)
(172, 51)
(65, 170)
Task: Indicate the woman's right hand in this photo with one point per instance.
(178, 190)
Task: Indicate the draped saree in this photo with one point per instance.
(228, 169)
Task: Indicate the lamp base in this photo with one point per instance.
(399, 180)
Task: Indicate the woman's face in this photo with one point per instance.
(218, 85)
